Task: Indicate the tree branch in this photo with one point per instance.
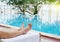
(28, 12)
(20, 8)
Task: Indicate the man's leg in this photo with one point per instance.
(16, 33)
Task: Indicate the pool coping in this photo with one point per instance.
(50, 35)
(41, 33)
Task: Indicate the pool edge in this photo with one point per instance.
(49, 35)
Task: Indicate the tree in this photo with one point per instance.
(20, 4)
(36, 3)
(23, 4)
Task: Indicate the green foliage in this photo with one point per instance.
(58, 2)
(51, 1)
(41, 1)
(34, 1)
(21, 4)
(48, 1)
(17, 2)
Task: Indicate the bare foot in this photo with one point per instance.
(27, 28)
(22, 27)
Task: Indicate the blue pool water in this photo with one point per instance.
(37, 24)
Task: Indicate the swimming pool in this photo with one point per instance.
(36, 24)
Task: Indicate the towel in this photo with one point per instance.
(31, 36)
